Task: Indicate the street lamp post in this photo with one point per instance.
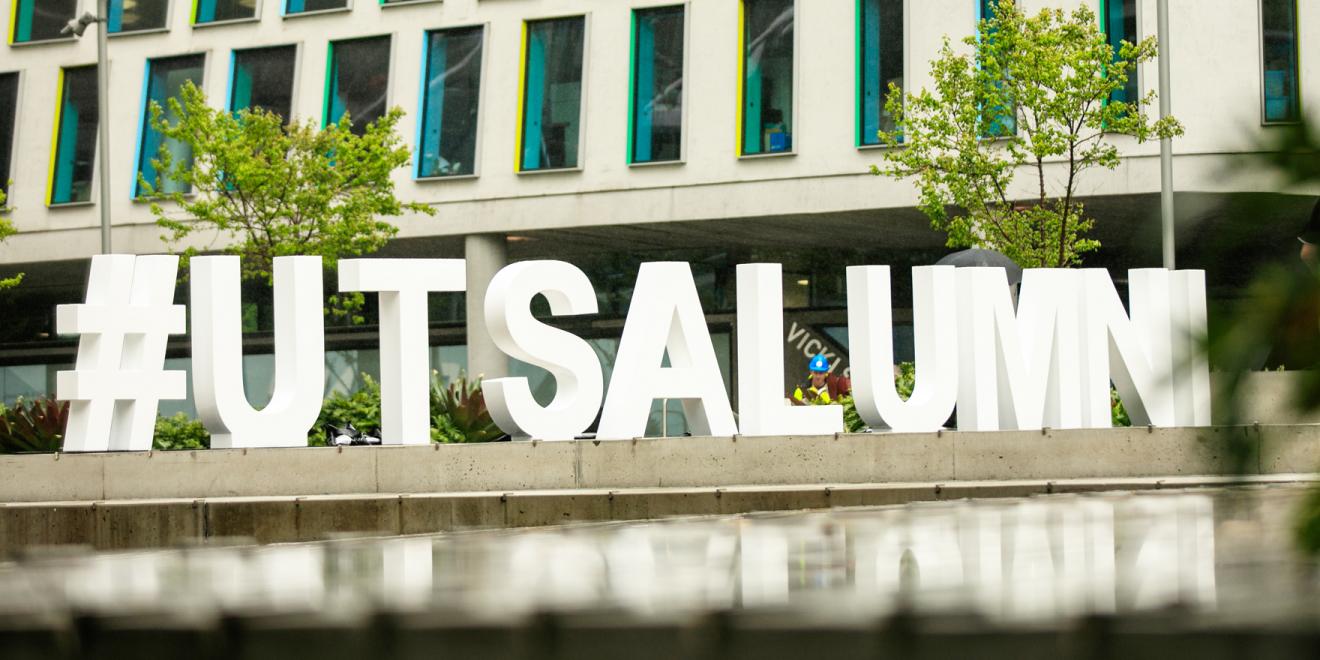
(1166, 143)
(76, 27)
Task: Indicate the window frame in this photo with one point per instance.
(632, 82)
(94, 185)
(389, 70)
(254, 18)
(1297, 64)
(285, 14)
(406, 3)
(857, 63)
(481, 102)
(520, 119)
(144, 114)
(297, 75)
(1140, 69)
(6, 177)
(742, 84)
(12, 34)
(169, 16)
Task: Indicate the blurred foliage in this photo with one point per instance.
(7, 229)
(360, 409)
(180, 432)
(33, 426)
(459, 414)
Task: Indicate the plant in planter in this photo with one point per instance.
(33, 426)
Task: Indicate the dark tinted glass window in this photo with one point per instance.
(1119, 20)
(1278, 20)
(8, 117)
(657, 85)
(359, 79)
(449, 103)
(133, 15)
(165, 78)
(38, 20)
(75, 137)
(552, 94)
(300, 6)
(880, 64)
(263, 78)
(211, 11)
(767, 92)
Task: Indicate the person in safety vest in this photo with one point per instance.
(816, 390)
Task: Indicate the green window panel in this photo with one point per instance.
(215, 11)
(262, 79)
(999, 122)
(451, 92)
(1281, 89)
(75, 137)
(879, 64)
(552, 94)
(165, 79)
(8, 119)
(357, 81)
(767, 76)
(1118, 18)
(656, 113)
(137, 15)
(40, 20)
(303, 6)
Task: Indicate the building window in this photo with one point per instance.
(998, 122)
(1118, 19)
(450, 98)
(216, 11)
(357, 81)
(165, 80)
(767, 76)
(656, 119)
(8, 117)
(40, 20)
(551, 94)
(75, 137)
(138, 15)
(304, 6)
(1278, 24)
(262, 78)
(879, 65)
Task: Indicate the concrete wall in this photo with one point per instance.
(1216, 92)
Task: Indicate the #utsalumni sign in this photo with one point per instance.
(1047, 361)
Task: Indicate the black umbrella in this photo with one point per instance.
(976, 257)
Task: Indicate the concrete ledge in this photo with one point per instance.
(129, 524)
(662, 463)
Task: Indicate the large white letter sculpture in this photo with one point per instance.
(571, 360)
(217, 344)
(118, 381)
(665, 315)
(1019, 370)
(762, 409)
(405, 353)
(871, 342)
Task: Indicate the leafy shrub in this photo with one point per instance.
(180, 432)
(459, 414)
(360, 408)
(33, 426)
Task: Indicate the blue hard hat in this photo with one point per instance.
(819, 364)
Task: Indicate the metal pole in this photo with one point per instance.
(1166, 144)
(103, 118)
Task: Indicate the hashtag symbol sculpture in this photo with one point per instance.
(120, 378)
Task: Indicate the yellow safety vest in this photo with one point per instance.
(822, 393)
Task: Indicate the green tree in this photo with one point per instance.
(7, 229)
(273, 189)
(1056, 75)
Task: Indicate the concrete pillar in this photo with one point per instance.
(486, 254)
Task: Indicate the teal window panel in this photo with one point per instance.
(303, 6)
(999, 122)
(75, 137)
(357, 81)
(8, 120)
(262, 79)
(451, 94)
(1281, 89)
(1118, 18)
(165, 78)
(767, 93)
(656, 119)
(880, 64)
(40, 20)
(137, 15)
(215, 11)
(552, 94)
